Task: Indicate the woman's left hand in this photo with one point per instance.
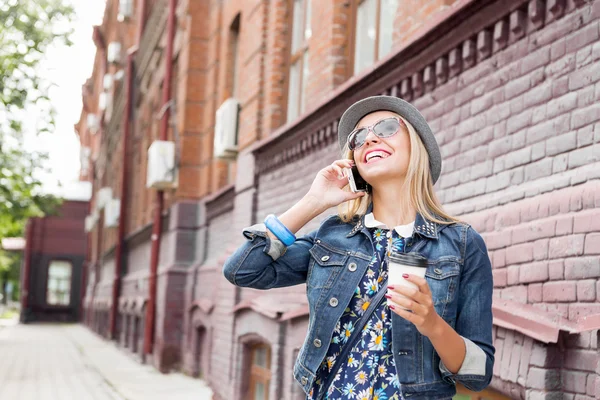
(419, 301)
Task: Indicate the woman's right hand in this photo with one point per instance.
(327, 188)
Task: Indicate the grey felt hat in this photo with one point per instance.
(401, 107)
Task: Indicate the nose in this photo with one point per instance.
(371, 137)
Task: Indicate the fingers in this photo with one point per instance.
(338, 166)
(344, 163)
(409, 316)
(413, 294)
(408, 303)
(338, 170)
(420, 282)
(333, 172)
(422, 295)
(351, 195)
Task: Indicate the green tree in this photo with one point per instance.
(27, 29)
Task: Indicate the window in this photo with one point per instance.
(260, 371)
(58, 291)
(298, 78)
(374, 31)
(234, 39)
(125, 9)
(200, 355)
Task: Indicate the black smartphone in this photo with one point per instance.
(357, 183)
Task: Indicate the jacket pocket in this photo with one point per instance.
(325, 265)
(442, 277)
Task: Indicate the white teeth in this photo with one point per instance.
(374, 154)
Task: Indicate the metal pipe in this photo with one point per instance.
(116, 290)
(83, 316)
(159, 202)
(98, 264)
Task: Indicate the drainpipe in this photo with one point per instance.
(102, 328)
(124, 190)
(83, 316)
(158, 207)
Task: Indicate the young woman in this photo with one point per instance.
(414, 342)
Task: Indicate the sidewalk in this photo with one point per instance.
(51, 361)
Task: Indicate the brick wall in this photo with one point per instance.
(512, 95)
(54, 237)
(518, 127)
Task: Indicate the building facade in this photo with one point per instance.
(53, 265)
(509, 87)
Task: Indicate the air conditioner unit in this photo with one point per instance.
(108, 82)
(92, 123)
(119, 75)
(84, 159)
(109, 107)
(113, 53)
(103, 196)
(112, 211)
(161, 171)
(90, 222)
(102, 101)
(226, 130)
(125, 10)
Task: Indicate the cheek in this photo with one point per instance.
(401, 147)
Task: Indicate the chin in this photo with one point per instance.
(382, 174)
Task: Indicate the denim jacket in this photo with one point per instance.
(332, 260)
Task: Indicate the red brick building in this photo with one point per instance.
(53, 265)
(510, 88)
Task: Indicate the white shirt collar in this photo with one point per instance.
(404, 231)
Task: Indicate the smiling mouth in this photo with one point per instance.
(376, 156)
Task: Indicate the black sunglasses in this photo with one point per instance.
(384, 128)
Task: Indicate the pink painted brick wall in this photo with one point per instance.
(516, 115)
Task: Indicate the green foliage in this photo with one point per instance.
(27, 29)
(10, 273)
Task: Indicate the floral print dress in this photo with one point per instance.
(369, 372)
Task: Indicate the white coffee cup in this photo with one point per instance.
(405, 263)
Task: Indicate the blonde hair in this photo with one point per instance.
(417, 183)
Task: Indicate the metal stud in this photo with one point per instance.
(333, 302)
(325, 258)
(304, 380)
(317, 343)
(352, 267)
(437, 271)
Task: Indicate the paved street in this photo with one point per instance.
(61, 362)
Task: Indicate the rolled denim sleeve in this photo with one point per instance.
(273, 247)
(474, 320)
(263, 263)
(474, 362)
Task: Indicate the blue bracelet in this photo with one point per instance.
(280, 230)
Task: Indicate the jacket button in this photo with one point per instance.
(317, 343)
(437, 271)
(303, 380)
(333, 302)
(324, 258)
(352, 267)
